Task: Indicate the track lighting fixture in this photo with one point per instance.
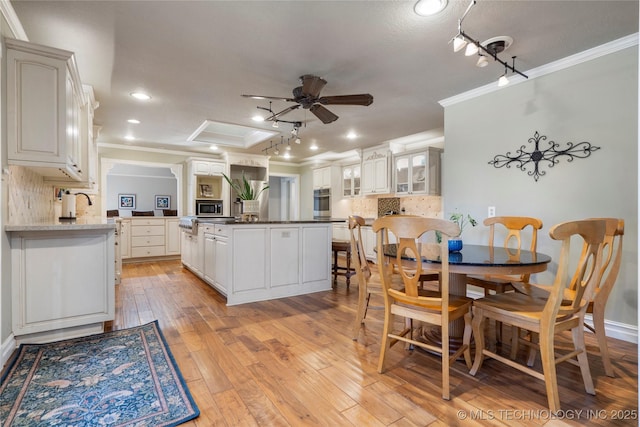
(482, 61)
(490, 48)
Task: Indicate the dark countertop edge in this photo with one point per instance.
(59, 227)
(233, 222)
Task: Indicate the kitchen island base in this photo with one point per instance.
(249, 262)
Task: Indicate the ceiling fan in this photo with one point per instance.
(308, 97)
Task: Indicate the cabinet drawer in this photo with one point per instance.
(147, 251)
(147, 230)
(138, 241)
(147, 221)
(221, 230)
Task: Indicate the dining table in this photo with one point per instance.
(475, 260)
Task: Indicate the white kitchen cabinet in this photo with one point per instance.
(147, 237)
(62, 282)
(256, 262)
(375, 171)
(125, 238)
(172, 236)
(206, 168)
(418, 172)
(327, 177)
(188, 248)
(44, 103)
(340, 231)
(351, 180)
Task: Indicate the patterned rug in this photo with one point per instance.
(120, 378)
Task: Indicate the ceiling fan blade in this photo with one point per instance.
(282, 113)
(323, 114)
(360, 99)
(279, 98)
(312, 85)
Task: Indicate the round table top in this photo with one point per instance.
(472, 257)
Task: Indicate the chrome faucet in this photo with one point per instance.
(87, 196)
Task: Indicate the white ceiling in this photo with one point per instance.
(195, 58)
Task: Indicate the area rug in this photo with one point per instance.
(121, 378)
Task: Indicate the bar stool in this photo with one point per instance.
(342, 246)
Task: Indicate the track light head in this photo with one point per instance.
(472, 49)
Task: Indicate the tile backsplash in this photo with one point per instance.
(369, 207)
(32, 200)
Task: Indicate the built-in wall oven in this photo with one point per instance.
(209, 207)
(322, 203)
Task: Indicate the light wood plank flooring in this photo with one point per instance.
(292, 362)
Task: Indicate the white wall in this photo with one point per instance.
(596, 101)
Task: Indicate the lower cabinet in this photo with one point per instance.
(149, 237)
(256, 262)
(62, 283)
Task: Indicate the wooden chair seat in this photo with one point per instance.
(545, 316)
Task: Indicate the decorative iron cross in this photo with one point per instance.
(551, 155)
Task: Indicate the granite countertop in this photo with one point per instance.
(92, 223)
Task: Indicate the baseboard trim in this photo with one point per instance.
(8, 346)
(617, 330)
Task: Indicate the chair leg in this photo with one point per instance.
(384, 344)
(348, 271)
(363, 302)
(531, 359)
(335, 266)
(601, 336)
(446, 361)
(477, 323)
(515, 341)
(583, 361)
(549, 370)
(466, 339)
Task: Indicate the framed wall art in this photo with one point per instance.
(126, 201)
(163, 202)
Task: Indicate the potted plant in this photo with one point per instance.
(246, 193)
(455, 245)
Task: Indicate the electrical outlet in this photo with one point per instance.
(491, 212)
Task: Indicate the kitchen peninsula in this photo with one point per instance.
(62, 279)
(256, 261)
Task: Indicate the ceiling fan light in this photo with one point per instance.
(458, 43)
(429, 7)
(503, 80)
(472, 49)
(275, 124)
(482, 61)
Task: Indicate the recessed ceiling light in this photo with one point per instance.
(134, 121)
(352, 135)
(257, 118)
(287, 155)
(129, 137)
(213, 147)
(313, 146)
(141, 96)
(429, 7)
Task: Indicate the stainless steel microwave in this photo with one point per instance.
(322, 203)
(209, 207)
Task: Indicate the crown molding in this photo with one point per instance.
(15, 26)
(552, 67)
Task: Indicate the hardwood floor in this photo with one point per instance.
(292, 361)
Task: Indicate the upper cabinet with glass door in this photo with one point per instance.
(351, 180)
(418, 172)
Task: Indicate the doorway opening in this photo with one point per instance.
(284, 197)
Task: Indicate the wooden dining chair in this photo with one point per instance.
(513, 242)
(366, 286)
(611, 261)
(412, 302)
(546, 317)
(514, 239)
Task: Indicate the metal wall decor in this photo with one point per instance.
(552, 155)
